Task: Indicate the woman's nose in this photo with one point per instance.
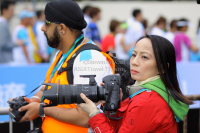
(135, 61)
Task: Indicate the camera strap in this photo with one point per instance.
(69, 68)
(32, 91)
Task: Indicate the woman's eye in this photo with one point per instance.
(144, 57)
(133, 55)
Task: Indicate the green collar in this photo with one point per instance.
(179, 108)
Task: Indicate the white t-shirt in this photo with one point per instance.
(120, 53)
(41, 39)
(170, 36)
(134, 32)
(157, 31)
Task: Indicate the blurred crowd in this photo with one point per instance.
(124, 35)
(28, 44)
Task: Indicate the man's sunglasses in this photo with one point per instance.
(48, 23)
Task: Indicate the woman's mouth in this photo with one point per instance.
(133, 71)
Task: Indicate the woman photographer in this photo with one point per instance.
(156, 102)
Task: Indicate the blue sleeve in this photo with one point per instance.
(22, 35)
(88, 32)
(96, 34)
(92, 33)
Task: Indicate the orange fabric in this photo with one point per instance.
(51, 125)
(111, 62)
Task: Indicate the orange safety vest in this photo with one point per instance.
(51, 125)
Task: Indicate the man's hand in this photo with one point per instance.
(20, 42)
(32, 111)
(194, 48)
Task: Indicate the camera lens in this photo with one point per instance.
(68, 94)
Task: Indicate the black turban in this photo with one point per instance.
(67, 12)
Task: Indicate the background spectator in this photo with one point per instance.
(41, 39)
(159, 28)
(21, 55)
(121, 47)
(33, 49)
(86, 11)
(108, 42)
(182, 42)
(6, 43)
(170, 34)
(92, 31)
(135, 29)
(145, 25)
(198, 34)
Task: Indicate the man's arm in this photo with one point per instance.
(26, 53)
(73, 116)
(126, 47)
(22, 35)
(189, 44)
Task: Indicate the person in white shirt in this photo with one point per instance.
(135, 29)
(121, 47)
(6, 43)
(145, 25)
(198, 34)
(41, 39)
(170, 34)
(159, 27)
(86, 12)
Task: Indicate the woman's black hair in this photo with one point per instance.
(166, 63)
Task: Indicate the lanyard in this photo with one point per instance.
(138, 92)
(64, 56)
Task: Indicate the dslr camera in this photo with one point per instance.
(15, 105)
(68, 94)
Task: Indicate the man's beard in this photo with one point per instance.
(55, 40)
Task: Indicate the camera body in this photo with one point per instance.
(68, 94)
(15, 105)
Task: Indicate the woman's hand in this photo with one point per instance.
(88, 106)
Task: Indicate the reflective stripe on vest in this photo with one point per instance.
(51, 125)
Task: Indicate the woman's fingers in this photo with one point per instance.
(85, 98)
